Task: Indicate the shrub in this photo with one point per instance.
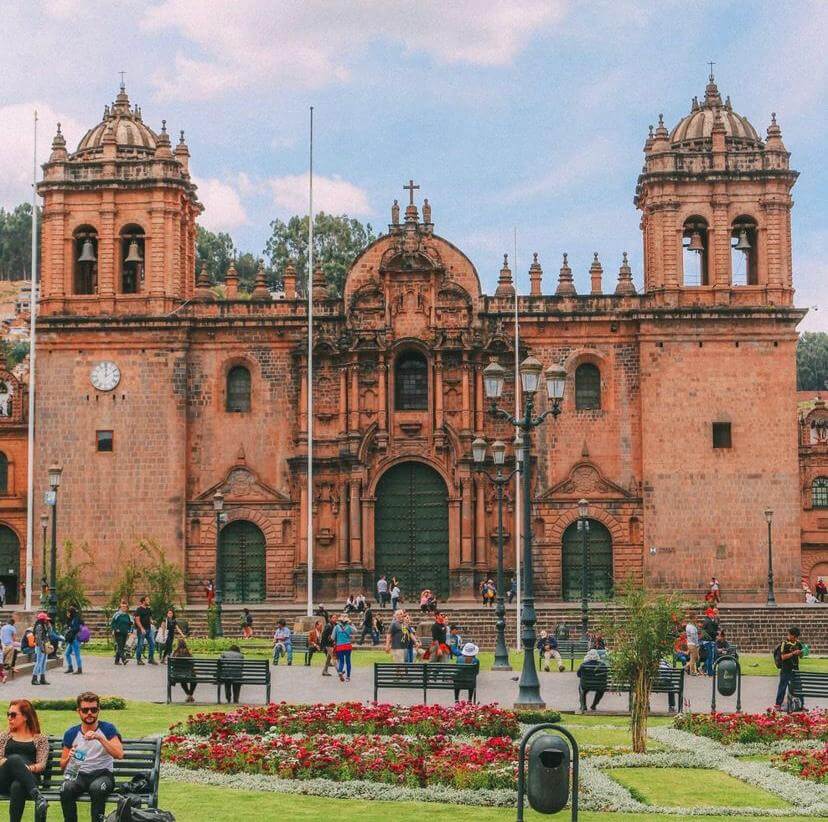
(70, 587)
(108, 703)
(531, 716)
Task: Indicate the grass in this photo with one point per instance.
(683, 787)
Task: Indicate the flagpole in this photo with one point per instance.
(309, 503)
(32, 317)
(517, 484)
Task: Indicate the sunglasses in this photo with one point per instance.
(12, 714)
(89, 710)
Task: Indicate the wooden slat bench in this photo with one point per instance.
(425, 677)
(669, 681)
(811, 684)
(570, 649)
(217, 672)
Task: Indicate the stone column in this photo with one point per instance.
(155, 275)
(109, 263)
(343, 399)
(466, 423)
(353, 399)
(479, 404)
(383, 393)
(343, 538)
(303, 398)
(438, 391)
(355, 524)
(480, 548)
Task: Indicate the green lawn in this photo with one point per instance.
(684, 787)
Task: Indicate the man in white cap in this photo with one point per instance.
(468, 656)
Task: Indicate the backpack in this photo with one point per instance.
(129, 811)
(84, 634)
(777, 656)
(29, 639)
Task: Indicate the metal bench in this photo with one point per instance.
(669, 681)
(570, 649)
(217, 672)
(811, 684)
(142, 757)
(429, 676)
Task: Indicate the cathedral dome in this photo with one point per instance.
(132, 136)
(695, 129)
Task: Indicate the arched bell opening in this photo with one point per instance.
(133, 256)
(695, 237)
(85, 260)
(744, 258)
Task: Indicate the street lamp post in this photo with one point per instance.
(44, 585)
(493, 377)
(501, 657)
(771, 596)
(583, 527)
(218, 507)
(54, 483)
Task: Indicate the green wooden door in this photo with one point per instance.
(242, 562)
(9, 562)
(599, 561)
(411, 529)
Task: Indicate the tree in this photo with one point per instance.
(337, 241)
(69, 584)
(146, 571)
(812, 361)
(216, 250)
(639, 634)
(16, 242)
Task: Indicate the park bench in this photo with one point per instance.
(426, 676)
(217, 672)
(669, 681)
(142, 757)
(298, 644)
(570, 649)
(811, 684)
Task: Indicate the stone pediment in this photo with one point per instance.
(586, 480)
(242, 485)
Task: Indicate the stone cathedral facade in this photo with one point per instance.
(679, 424)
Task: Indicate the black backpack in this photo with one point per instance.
(129, 811)
(777, 656)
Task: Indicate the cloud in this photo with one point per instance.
(312, 44)
(330, 194)
(223, 209)
(16, 142)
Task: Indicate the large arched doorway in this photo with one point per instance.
(599, 561)
(242, 554)
(411, 529)
(9, 563)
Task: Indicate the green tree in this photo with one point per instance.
(70, 586)
(216, 250)
(812, 361)
(246, 266)
(16, 242)
(336, 243)
(639, 633)
(162, 579)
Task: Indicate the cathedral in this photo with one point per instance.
(679, 425)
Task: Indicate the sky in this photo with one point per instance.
(527, 115)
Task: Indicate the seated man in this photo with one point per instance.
(87, 760)
(314, 640)
(468, 657)
(282, 645)
(592, 664)
(548, 650)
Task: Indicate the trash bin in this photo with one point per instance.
(547, 776)
(726, 676)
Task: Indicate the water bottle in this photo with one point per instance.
(73, 766)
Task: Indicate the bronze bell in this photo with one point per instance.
(134, 253)
(743, 244)
(87, 254)
(696, 243)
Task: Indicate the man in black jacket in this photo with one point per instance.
(326, 644)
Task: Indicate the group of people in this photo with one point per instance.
(136, 631)
(388, 592)
(87, 759)
(701, 642)
(818, 595)
(488, 591)
(333, 635)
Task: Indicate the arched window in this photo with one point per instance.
(4, 473)
(587, 387)
(694, 244)
(85, 257)
(744, 255)
(238, 389)
(819, 492)
(132, 259)
(411, 382)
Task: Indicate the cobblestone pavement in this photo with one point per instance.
(300, 684)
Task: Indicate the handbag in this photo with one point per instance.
(84, 634)
(128, 810)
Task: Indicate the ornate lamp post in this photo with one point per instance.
(44, 584)
(530, 373)
(54, 483)
(501, 657)
(583, 527)
(218, 507)
(771, 596)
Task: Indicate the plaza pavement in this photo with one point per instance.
(300, 684)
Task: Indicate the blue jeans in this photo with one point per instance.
(40, 663)
(710, 658)
(147, 639)
(343, 664)
(409, 654)
(785, 678)
(73, 647)
(278, 652)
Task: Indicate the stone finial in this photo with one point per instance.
(625, 286)
(535, 277)
(231, 281)
(261, 292)
(162, 144)
(289, 281)
(426, 211)
(182, 153)
(320, 284)
(694, 106)
(661, 131)
(203, 292)
(566, 285)
(505, 287)
(712, 98)
(58, 147)
(109, 143)
(596, 272)
(774, 141)
(395, 213)
(660, 137)
(648, 143)
(411, 213)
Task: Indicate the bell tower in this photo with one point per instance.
(716, 209)
(118, 219)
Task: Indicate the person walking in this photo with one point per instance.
(9, 644)
(183, 652)
(692, 634)
(342, 641)
(512, 593)
(247, 624)
(326, 644)
(146, 634)
(166, 634)
(70, 637)
(88, 759)
(232, 687)
(121, 624)
(382, 591)
(41, 638)
(210, 592)
(24, 753)
(820, 589)
(396, 595)
(787, 656)
(368, 625)
(394, 638)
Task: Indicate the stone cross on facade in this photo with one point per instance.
(711, 64)
(410, 188)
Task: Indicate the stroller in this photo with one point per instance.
(130, 645)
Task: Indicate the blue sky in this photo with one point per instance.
(526, 114)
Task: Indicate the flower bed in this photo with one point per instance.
(409, 761)
(808, 764)
(463, 719)
(756, 727)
